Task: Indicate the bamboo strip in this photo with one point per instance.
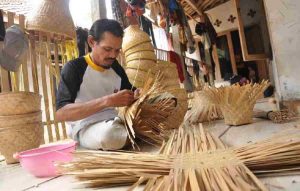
(33, 62)
(44, 86)
(14, 76)
(51, 75)
(24, 63)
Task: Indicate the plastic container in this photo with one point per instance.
(40, 161)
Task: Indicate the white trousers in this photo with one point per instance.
(105, 135)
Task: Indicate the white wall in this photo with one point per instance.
(284, 25)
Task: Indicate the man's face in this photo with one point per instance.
(105, 52)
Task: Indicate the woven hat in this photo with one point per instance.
(133, 36)
(51, 16)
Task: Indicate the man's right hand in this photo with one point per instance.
(121, 98)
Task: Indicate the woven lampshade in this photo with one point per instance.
(134, 36)
(51, 16)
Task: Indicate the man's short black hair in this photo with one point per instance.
(101, 26)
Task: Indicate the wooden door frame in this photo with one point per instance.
(245, 53)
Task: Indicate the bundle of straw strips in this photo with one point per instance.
(147, 117)
(192, 159)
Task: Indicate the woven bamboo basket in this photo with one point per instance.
(20, 138)
(51, 16)
(134, 36)
(144, 65)
(145, 55)
(15, 103)
(15, 120)
(147, 46)
(236, 102)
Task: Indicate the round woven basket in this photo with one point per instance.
(14, 120)
(15, 103)
(147, 46)
(51, 16)
(145, 55)
(144, 65)
(133, 36)
(19, 138)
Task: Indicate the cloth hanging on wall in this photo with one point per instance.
(147, 27)
(175, 58)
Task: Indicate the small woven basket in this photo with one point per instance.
(15, 103)
(20, 138)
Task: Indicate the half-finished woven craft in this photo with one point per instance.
(236, 102)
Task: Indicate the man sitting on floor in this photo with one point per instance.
(92, 86)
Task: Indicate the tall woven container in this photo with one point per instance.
(15, 103)
(51, 16)
(20, 138)
(20, 123)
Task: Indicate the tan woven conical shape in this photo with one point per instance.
(52, 16)
(134, 36)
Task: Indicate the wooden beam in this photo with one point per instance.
(191, 3)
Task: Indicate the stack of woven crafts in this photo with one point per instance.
(139, 56)
(141, 63)
(20, 123)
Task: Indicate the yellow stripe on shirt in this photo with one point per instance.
(90, 62)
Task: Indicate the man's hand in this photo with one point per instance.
(120, 99)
